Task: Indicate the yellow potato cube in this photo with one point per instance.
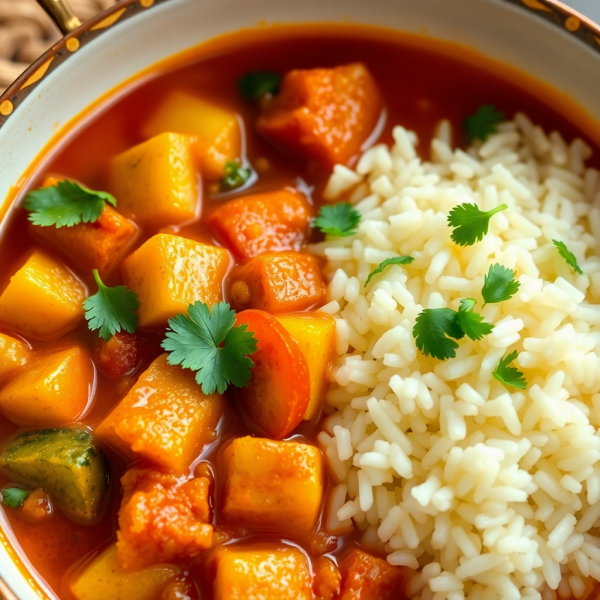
(314, 333)
(14, 354)
(43, 299)
(215, 132)
(272, 485)
(55, 389)
(168, 273)
(165, 418)
(156, 182)
(103, 579)
(261, 573)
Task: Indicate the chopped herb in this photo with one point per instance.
(509, 375)
(14, 497)
(470, 224)
(255, 85)
(483, 123)
(111, 309)
(235, 176)
(499, 284)
(66, 204)
(568, 256)
(432, 332)
(338, 219)
(211, 345)
(396, 260)
(471, 323)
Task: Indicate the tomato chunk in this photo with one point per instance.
(279, 390)
(121, 355)
(323, 114)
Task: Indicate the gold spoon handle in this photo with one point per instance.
(62, 15)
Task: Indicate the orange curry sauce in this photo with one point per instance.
(421, 82)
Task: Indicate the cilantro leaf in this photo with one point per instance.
(66, 204)
(483, 123)
(254, 85)
(338, 219)
(509, 375)
(470, 224)
(396, 260)
(209, 344)
(432, 332)
(568, 256)
(235, 176)
(14, 497)
(111, 309)
(471, 323)
(499, 284)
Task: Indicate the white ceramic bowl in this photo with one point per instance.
(540, 37)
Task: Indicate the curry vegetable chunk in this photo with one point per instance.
(168, 273)
(215, 132)
(43, 299)
(156, 183)
(14, 354)
(54, 390)
(261, 573)
(165, 418)
(272, 485)
(65, 462)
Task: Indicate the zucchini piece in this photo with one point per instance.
(66, 462)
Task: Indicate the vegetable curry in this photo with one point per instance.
(163, 362)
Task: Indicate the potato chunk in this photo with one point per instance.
(14, 354)
(315, 335)
(277, 282)
(168, 273)
(104, 579)
(43, 299)
(156, 182)
(215, 133)
(54, 390)
(365, 577)
(164, 418)
(162, 518)
(261, 573)
(323, 114)
(270, 222)
(264, 480)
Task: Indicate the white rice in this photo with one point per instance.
(482, 491)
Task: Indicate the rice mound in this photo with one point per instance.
(481, 491)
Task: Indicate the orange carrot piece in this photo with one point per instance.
(327, 578)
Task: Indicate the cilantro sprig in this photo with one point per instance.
(235, 176)
(395, 260)
(469, 223)
(66, 204)
(14, 497)
(483, 123)
(509, 375)
(568, 256)
(499, 284)
(111, 309)
(253, 86)
(210, 344)
(338, 219)
(470, 322)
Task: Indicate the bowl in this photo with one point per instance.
(91, 64)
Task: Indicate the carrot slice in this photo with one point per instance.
(278, 393)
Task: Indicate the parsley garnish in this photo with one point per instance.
(431, 331)
(472, 323)
(254, 85)
(470, 224)
(396, 260)
(66, 204)
(509, 375)
(499, 284)
(235, 176)
(14, 497)
(483, 123)
(209, 344)
(568, 256)
(111, 309)
(338, 219)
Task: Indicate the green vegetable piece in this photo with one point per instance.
(499, 284)
(472, 323)
(66, 204)
(432, 332)
(111, 309)
(568, 256)
(66, 463)
(253, 86)
(483, 123)
(470, 224)
(509, 375)
(14, 497)
(235, 176)
(396, 260)
(338, 219)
